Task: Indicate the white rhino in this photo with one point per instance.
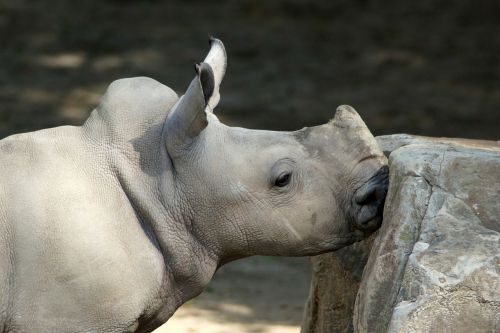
(111, 226)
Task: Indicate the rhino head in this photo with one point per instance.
(247, 192)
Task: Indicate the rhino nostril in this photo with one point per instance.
(373, 192)
(367, 197)
(369, 200)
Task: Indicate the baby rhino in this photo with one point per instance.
(111, 226)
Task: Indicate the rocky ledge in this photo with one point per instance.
(434, 266)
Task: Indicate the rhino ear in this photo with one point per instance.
(217, 59)
(187, 118)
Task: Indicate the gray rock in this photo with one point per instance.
(334, 285)
(435, 263)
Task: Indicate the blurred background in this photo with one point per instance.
(422, 67)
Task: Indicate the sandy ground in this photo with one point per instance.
(253, 295)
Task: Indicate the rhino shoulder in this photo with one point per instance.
(129, 107)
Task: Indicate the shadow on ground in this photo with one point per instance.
(258, 294)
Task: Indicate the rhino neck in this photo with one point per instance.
(189, 265)
(143, 176)
(127, 129)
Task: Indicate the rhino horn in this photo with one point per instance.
(187, 118)
(217, 59)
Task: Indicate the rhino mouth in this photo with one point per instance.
(369, 199)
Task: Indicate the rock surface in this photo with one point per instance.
(335, 283)
(434, 265)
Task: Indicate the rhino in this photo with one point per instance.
(112, 225)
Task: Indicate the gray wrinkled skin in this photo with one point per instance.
(111, 226)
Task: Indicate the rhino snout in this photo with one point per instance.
(368, 201)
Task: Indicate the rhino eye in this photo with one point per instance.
(283, 179)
